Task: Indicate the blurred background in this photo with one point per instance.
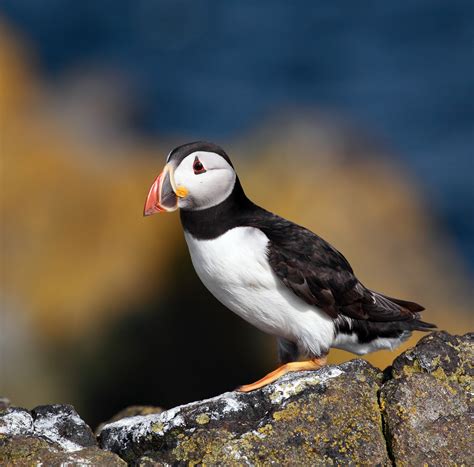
(365, 110)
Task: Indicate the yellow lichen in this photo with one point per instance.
(202, 419)
(265, 430)
(157, 427)
(289, 413)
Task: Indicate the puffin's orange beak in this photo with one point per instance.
(161, 196)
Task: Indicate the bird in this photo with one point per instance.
(277, 275)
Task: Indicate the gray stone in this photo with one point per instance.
(442, 355)
(58, 424)
(15, 421)
(427, 421)
(62, 425)
(322, 417)
(131, 411)
(34, 451)
(52, 435)
(427, 406)
(417, 412)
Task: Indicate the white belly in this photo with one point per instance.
(235, 269)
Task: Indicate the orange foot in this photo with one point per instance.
(306, 365)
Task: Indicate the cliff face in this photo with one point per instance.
(415, 412)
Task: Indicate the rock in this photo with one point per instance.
(414, 413)
(131, 411)
(49, 435)
(23, 449)
(327, 416)
(15, 421)
(33, 451)
(428, 403)
(134, 410)
(442, 355)
(62, 425)
(58, 424)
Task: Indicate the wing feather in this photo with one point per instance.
(321, 276)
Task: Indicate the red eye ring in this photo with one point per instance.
(198, 167)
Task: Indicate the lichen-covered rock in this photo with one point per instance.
(34, 451)
(415, 413)
(427, 406)
(135, 410)
(441, 354)
(15, 421)
(24, 450)
(131, 411)
(58, 424)
(62, 425)
(329, 416)
(50, 435)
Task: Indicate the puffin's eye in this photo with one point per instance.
(198, 167)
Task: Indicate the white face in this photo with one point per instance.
(206, 186)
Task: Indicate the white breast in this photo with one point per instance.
(235, 269)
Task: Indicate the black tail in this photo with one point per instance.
(412, 306)
(415, 308)
(418, 325)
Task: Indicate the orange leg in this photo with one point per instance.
(306, 365)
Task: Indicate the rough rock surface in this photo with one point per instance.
(415, 413)
(428, 405)
(297, 420)
(49, 435)
(131, 411)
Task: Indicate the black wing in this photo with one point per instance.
(321, 276)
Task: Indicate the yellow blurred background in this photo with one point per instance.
(101, 307)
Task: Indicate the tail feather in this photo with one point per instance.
(410, 313)
(418, 325)
(412, 306)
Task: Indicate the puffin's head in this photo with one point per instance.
(196, 176)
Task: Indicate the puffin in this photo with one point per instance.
(277, 275)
